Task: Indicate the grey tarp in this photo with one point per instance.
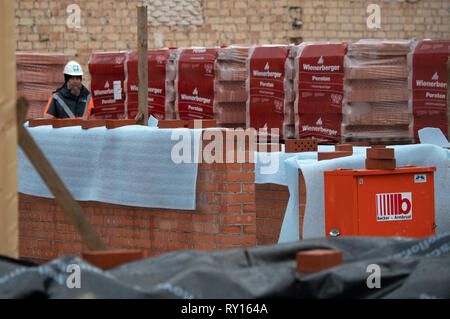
(409, 268)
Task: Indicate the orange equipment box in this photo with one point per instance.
(371, 202)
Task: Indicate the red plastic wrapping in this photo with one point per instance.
(428, 85)
(160, 84)
(195, 83)
(270, 91)
(108, 76)
(320, 85)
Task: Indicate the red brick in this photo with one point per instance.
(58, 123)
(300, 145)
(40, 122)
(229, 188)
(210, 228)
(112, 124)
(87, 124)
(247, 219)
(248, 187)
(249, 208)
(236, 240)
(230, 209)
(381, 164)
(250, 229)
(230, 229)
(237, 177)
(205, 123)
(380, 153)
(111, 258)
(318, 259)
(344, 147)
(170, 124)
(331, 155)
(238, 198)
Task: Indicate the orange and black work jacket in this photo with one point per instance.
(63, 105)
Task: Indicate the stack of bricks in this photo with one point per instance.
(380, 157)
(230, 89)
(224, 218)
(38, 75)
(376, 91)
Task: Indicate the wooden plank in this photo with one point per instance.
(9, 219)
(62, 195)
(448, 98)
(142, 116)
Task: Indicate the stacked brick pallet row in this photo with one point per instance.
(319, 84)
(230, 89)
(38, 75)
(376, 92)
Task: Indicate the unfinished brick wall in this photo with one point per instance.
(107, 25)
(271, 204)
(225, 218)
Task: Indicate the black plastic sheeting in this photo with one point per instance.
(409, 268)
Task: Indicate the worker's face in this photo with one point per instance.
(74, 85)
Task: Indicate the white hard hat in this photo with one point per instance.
(73, 68)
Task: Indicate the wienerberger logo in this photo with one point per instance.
(321, 67)
(394, 206)
(267, 73)
(430, 84)
(195, 98)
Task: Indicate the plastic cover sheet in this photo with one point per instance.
(314, 219)
(129, 165)
(230, 88)
(375, 105)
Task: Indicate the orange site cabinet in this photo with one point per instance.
(371, 202)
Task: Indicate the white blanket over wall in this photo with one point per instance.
(129, 165)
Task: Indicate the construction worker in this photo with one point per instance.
(73, 99)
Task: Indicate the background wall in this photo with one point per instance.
(107, 25)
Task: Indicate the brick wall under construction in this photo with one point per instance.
(78, 28)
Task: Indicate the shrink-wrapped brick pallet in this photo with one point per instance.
(161, 78)
(428, 85)
(108, 77)
(375, 106)
(270, 103)
(319, 83)
(230, 88)
(194, 83)
(38, 75)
